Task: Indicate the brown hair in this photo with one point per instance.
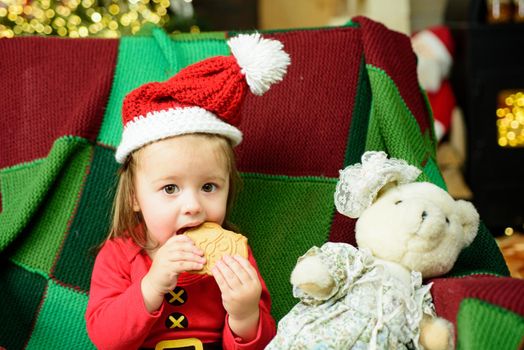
(126, 220)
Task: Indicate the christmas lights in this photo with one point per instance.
(80, 18)
(510, 119)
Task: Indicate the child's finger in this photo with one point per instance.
(228, 274)
(248, 268)
(237, 268)
(184, 266)
(186, 256)
(173, 251)
(179, 238)
(182, 243)
(220, 279)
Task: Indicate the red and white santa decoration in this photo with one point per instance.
(434, 48)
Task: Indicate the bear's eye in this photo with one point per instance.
(447, 221)
(398, 202)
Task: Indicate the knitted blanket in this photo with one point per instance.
(348, 90)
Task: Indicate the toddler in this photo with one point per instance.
(178, 171)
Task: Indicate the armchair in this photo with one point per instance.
(349, 89)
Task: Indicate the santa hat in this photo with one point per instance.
(204, 97)
(434, 48)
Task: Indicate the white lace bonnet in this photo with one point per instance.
(359, 184)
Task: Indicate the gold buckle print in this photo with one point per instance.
(180, 343)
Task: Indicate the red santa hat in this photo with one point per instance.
(204, 97)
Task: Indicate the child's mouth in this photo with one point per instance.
(182, 230)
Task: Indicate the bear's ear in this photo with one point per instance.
(469, 219)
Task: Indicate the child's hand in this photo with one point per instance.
(241, 289)
(179, 254)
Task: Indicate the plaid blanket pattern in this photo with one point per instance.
(348, 90)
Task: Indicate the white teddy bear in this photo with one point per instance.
(373, 297)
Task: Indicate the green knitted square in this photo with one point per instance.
(360, 118)
(41, 239)
(91, 222)
(481, 325)
(61, 323)
(431, 173)
(38, 201)
(282, 218)
(146, 59)
(20, 292)
(391, 116)
(492, 261)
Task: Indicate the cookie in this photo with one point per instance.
(216, 242)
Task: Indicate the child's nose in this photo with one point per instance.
(192, 205)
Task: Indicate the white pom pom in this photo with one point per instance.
(263, 61)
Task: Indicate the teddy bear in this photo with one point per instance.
(372, 297)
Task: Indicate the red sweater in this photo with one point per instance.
(117, 317)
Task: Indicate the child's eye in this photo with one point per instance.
(170, 189)
(209, 187)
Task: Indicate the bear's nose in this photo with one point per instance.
(424, 214)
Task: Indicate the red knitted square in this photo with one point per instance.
(301, 126)
(55, 88)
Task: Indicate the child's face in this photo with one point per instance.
(180, 182)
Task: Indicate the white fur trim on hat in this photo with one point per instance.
(172, 122)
